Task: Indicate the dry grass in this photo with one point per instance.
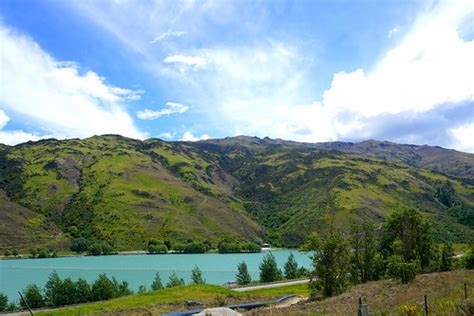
(444, 290)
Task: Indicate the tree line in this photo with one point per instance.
(401, 248)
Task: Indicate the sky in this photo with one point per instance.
(304, 70)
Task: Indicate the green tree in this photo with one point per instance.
(242, 277)
(408, 233)
(397, 267)
(469, 258)
(157, 284)
(447, 257)
(269, 271)
(174, 281)
(141, 289)
(95, 249)
(3, 302)
(364, 259)
(83, 291)
(80, 245)
(54, 290)
(103, 288)
(291, 268)
(32, 296)
(196, 276)
(331, 260)
(69, 292)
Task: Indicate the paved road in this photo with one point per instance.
(268, 286)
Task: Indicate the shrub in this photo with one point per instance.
(174, 281)
(242, 277)
(32, 296)
(195, 247)
(269, 271)
(447, 257)
(80, 245)
(402, 270)
(157, 284)
(154, 249)
(469, 258)
(3, 302)
(196, 276)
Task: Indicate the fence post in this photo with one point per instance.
(426, 305)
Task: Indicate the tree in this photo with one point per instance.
(141, 289)
(95, 249)
(83, 291)
(3, 302)
(54, 290)
(447, 257)
(408, 233)
(397, 267)
(469, 258)
(32, 296)
(157, 285)
(69, 293)
(364, 260)
(269, 271)
(196, 276)
(331, 261)
(174, 281)
(103, 288)
(242, 277)
(80, 245)
(291, 268)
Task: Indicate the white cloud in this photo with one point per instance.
(3, 119)
(184, 62)
(189, 137)
(167, 135)
(172, 108)
(464, 137)
(167, 34)
(56, 97)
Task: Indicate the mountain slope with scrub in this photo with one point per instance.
(127, 192)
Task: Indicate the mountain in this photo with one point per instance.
(127, 191)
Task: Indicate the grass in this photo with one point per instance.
(173, 299)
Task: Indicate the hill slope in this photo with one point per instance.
(127, 191)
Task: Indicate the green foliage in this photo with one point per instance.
(53, 290)
(83, 291)
(408, 233)
(331, 262)
(365, 261)
(3, 302)
(32, 296)
(229, 247)
(196, 276)
(174, 281)
(80, 244)
(157, 284)
(397, 267)
(291, 268)
(103, 289)
(242, 277)
(194, 247)
(101, 248)
(447, 257)
(269, 271)
(141, 289)
(469, 258)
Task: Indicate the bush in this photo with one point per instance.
(404, 271)
(7, 253)
(3, 302)
(32, 296)
(174, 281)
(157, 284)
(101, 248)
(269, 271)
(243, 277)
(155, 249)
(447, 257)
(196, 276)
(80, 245)
(230, 247)
(469, 258)
(195, 247)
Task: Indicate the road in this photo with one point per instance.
(268, 286)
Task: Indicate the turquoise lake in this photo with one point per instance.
(15, 275)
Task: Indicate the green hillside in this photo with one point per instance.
(127, 191)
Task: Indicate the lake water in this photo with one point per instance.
(15, 275)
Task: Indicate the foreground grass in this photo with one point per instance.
(386, 297)
(173, 299)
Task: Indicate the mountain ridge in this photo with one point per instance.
(128, 191)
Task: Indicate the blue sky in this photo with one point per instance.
(301, 70)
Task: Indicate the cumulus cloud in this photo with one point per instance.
(189, 137)
(167, 135)
(172, 108)
(56, 97)
(3, 119)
